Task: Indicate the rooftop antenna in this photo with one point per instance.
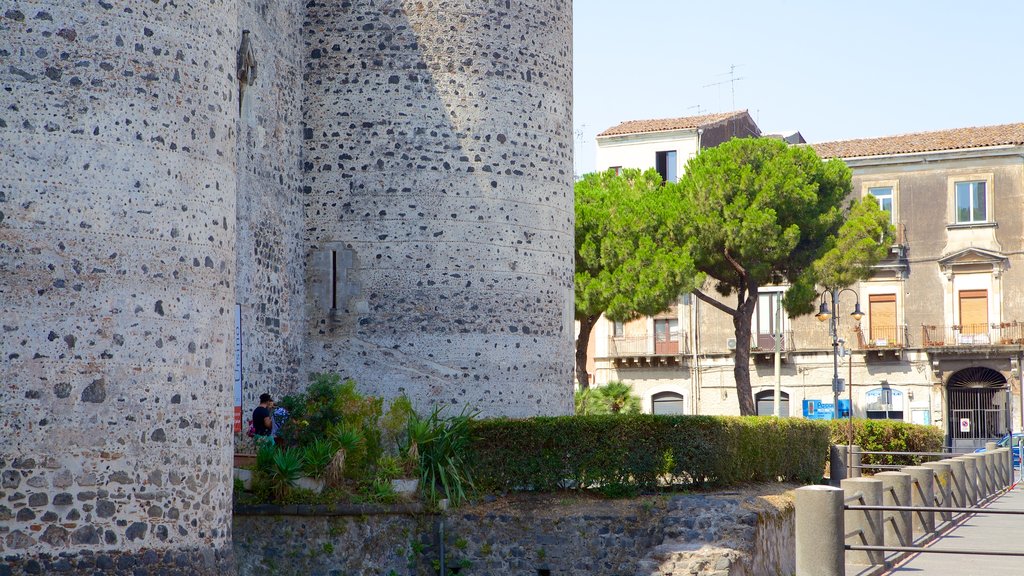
(700, 109)
(731, 82)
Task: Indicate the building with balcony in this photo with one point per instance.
(942, 334)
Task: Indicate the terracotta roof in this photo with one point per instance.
(690, 122)
(956, 139)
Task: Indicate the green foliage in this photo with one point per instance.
(888, 436)
(394, 424)
(442, 444)
(631, 254)
(762, 212)
(317, 456)
(613, 398)
(625, 454)
(286, 470)
(265, 456)
(328, 405)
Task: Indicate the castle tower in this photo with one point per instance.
(438, 190)
(117, 259)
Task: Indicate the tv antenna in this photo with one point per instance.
(731, 82)
(700, 109)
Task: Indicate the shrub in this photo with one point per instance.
(888, 436)
(622, 454)
(327, 404)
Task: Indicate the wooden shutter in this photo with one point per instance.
(882, 318)
(974, 311)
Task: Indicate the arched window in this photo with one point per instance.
(766, 403)
(667, 403)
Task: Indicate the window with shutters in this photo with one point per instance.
(973, 316)
(668, 403)
(882, 320)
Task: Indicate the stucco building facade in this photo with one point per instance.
(940, 342)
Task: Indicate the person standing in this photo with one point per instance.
(262, 421)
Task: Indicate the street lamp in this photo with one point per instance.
(824, 313)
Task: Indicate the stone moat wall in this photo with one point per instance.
(659, 536)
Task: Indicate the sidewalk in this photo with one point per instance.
(979, 532)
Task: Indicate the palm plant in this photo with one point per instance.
(441, 443)
(286, 471)
(344, 440)
(318, 457)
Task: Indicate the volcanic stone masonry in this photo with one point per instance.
(385, 192)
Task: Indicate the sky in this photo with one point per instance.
(832, 70)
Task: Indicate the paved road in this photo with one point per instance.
(981, 532)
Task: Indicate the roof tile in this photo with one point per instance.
(955, 139)
(664, 124)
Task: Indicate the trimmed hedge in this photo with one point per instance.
(628, 453)
(888, 436)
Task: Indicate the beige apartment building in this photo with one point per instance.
(942, 332)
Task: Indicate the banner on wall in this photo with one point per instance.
(238, 368)
(819, 410)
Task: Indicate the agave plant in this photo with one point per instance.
(443, 471)
(286, 471)
(318, 457)
(344, 440)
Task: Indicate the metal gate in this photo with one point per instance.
(979, 408)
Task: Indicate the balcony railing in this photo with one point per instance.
(1003, 333)
(883, 337)
(647, 345)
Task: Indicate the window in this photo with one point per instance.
(766, 403)
(668, 404)
(666, 336)
(617, 169)
(884, 404)
(971, 205)
(882, 320)
(665, 164)
(973, 317)
(618, 329)
(884, 196)
(769, 320)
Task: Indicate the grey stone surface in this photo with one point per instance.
(148, 186)
(737, 536)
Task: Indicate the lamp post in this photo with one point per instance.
(824, 313)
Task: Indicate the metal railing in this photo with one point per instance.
(996, 334)
(647, 345)
(883, 337)
(895, 511)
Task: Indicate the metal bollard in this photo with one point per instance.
(856, 459)
(943, 488)
(867, 522)
(958, 482)
(837, 464)
(819, 531)
(970, 478)
(896, 492)
(922, 493)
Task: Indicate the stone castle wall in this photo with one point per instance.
(439, 200)
(423, 152)
(117, 252)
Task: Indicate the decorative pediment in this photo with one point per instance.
(974, 259)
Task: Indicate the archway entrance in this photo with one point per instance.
(979, 408)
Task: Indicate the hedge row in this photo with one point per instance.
(888, 436)
(644, 452)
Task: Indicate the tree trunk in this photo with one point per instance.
(586, 327)
(741, 370)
